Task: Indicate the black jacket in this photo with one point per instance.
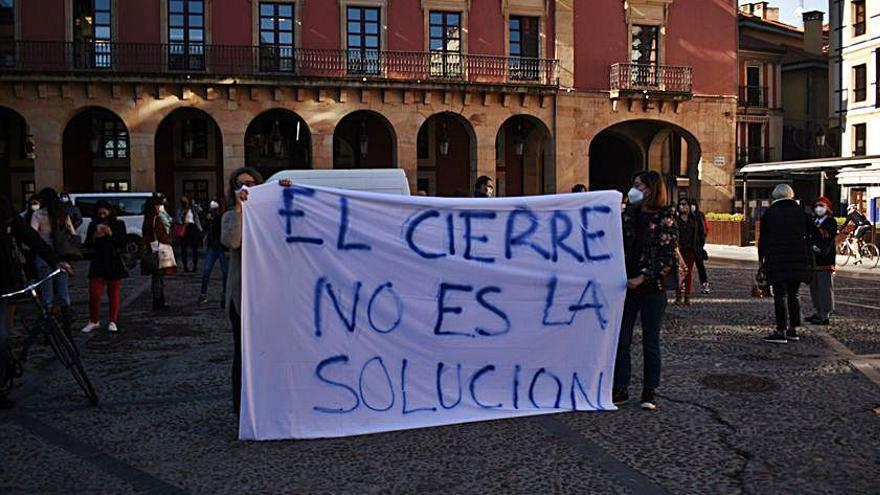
(785, 248)
(13, 228)
(214, 221)
(698, 240)
(825, 234)
(107, 263)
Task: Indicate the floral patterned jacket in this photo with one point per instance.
(658, 258)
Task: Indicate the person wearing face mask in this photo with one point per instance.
(188, 216)
(106, 236)
(214, 250)
(51, 221)
(825, 253)
(484, 187)
(702, 256)
(156, 227)
(786, 259)
(72, 210)
(650, 238)
(691, 238)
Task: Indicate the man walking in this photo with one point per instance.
(786, 258)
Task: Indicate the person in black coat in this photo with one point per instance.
(14, 229)
(825, 254)
(106, 236)
(786, 258)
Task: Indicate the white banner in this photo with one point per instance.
(365, 312)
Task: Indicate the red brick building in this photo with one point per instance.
(541, 94)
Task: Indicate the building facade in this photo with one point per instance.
(172, 95)
(855, 96)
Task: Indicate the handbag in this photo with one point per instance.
(67, 246)
(178, 231)
(760, 286)
(165, 254)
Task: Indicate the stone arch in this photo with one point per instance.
(446, 151)
(524, 157)
(96, 152)
(278, 139)
(16, 157)
(364, 139)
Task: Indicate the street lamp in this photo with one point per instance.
(188, 139)
(363, 141)
(94, 141)
(444, 141)
(519, 142)
(277, 140)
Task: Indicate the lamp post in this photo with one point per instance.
(444, 141)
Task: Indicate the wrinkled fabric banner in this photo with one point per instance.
(366, 312)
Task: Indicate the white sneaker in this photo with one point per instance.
(93, 325)
(111, 327)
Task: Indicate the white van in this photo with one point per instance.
(128, 208)
(380, 180)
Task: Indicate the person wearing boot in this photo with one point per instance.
(691, 238)
(155, 228)
(50, 218)
(13, 228)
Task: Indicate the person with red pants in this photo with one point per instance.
(691, 238)
(106, 236)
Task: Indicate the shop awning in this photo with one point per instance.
(859, 176)
(808, 166)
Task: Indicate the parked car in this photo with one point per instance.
(384, 180)
(128, 208)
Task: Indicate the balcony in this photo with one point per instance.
(191, 60)
(753, 96)
(651, 81)
(753, 154)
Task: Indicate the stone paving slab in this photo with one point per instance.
(737, 416)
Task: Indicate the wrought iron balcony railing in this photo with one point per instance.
(267, 61)
(753, 154)
(640, 78)
(753, 96)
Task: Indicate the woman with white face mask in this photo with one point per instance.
(824, 253)
(650, 237)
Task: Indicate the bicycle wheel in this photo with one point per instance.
(870, 255)
(68, 355)
(843, 253)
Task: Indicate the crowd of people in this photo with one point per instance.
(663, 243)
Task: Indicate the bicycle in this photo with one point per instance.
(47, 326)
(870, 255)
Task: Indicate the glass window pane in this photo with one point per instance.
(196, 20)
(514, 24)
(102, 33)
(372, 28)
(453, 19)
(354, 41)
(285, 38)
(436, 32)
(196, 6)
(267, 37)
(267, 24)
(102, 18)
(196, 35)
(436, 18)
(514, 36)
(372, 42)
(285, 24)
(267, 9)
(452, 32)
(372, 14)
(436, 44)
(175, 34)
(453, 45)
(354, 27)
(285, 10)
(102, 4)
(354, 14)
(175, 6)
(175, 20)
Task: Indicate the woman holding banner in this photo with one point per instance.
(650, 236)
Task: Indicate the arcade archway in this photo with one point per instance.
(364, 139)
(446, 147)
(189, 156)
(276, 140)
(16, 158)
(95, 152)
(524, 157)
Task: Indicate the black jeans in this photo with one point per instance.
(192, 239)
(651, 305)
(157, 286)
(235, 319)
(782, 294)
(701, 267)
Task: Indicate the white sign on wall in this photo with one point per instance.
(365, 313)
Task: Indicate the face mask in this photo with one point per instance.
(65, 199)
(820, 210)
(635, 196)
(215, 205)
(35, 207)
(693, 209)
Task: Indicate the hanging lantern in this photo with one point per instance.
(30, 148)
(277, 141)
(820, 138)
(189, 142)
(95, 140)
(444, 141)
(519, 142)
(363, 141)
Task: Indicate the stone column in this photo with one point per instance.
(142, 161)
(485, 152)
(564, 26)
(322, 150)
(48, 164)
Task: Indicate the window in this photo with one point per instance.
(859, 135)
(877, 79)
(362, 28)
(194, 139)
(115, 185)
(753, 86)
(755, 151)
(860, 82)
(28, 188)
(523, 47)
(444, 30)
(92, 29)
(7, 33)
(197, 191)
(645, 54)
(858, 13)
(186, 34)
(114, 139)
(276, 37)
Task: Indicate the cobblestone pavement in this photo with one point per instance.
(736, 415)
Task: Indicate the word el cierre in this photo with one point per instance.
(522, 231)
